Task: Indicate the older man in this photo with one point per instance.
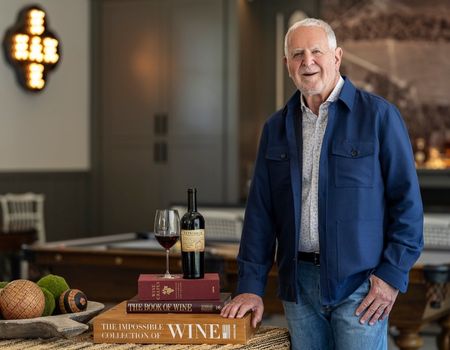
(336, 191)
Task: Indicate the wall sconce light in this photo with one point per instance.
(31, 48)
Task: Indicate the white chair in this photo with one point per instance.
(23, 212)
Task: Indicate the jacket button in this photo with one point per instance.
(354, 153)
(283, 155)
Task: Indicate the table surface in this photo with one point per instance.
(144, 243)
(132, 243)
(265, 338)
(110, 265)
(118, 259)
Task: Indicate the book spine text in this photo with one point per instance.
(179, 290)
(149, 307)
(171, 332)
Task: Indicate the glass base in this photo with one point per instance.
(169, 276)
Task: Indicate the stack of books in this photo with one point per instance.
(157, 295)
(173, 311)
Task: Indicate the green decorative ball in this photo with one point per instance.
(3, 284)
(54, 284)
(49, 302)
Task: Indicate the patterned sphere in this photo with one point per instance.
(22, 299)
(72, 300)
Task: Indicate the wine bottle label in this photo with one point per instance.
(192, 240)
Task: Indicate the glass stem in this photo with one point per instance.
(167, 262)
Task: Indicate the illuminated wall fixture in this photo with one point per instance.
(31, 48)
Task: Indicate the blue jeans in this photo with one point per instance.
(314, 327)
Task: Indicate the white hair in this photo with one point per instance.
(312, 22)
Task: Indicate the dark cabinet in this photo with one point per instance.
(164, 107)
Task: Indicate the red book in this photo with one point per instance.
(136, 306)
(153, 287)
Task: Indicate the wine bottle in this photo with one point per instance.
(193, 239)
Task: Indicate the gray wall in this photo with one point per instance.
(48, 130)
(45, 137)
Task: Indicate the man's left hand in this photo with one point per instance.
(379, 301)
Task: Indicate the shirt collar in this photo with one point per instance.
(331, 98)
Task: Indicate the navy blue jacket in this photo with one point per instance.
(370, 209)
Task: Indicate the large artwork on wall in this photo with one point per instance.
(399, 49)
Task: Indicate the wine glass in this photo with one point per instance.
(167, 232)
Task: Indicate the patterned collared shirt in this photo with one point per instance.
(313, 129)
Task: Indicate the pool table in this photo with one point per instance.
(106, 268)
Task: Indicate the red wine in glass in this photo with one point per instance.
(166, 242)
(167, 232)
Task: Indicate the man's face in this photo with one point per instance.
(312, 65)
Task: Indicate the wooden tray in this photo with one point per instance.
(66, 325)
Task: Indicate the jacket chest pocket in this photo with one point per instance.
(354, 163)
(277, 159)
